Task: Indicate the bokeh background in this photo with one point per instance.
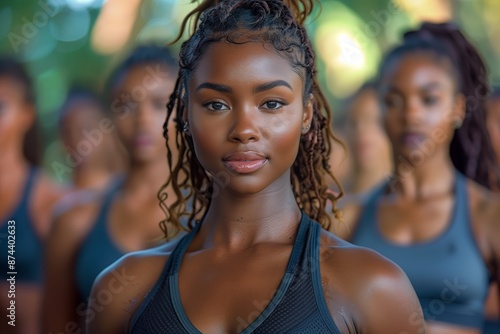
(64, 43)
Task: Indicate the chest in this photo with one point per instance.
(415, 222)
(231, 293)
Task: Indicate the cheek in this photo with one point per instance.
(124, 127)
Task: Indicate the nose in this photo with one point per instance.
(245, 125)
(412, 112)
(143, 115)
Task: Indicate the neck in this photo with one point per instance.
(236, 221)
(145, 179)
(366, 177)
(90, 176)
(434, 176)
(12, 166)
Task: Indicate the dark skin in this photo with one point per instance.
(236, 261)
(368, 143)
(134, 214)
(16, 117)
(422, 106)
(493, 124)
(96, 169)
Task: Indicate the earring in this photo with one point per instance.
(458, 123)
(306, 128)
(185, 127)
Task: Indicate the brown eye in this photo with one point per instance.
(273, 105)
(216, 106)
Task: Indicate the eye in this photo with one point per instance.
(215, 106)
(392, 101)
(430, 100)
(273, 105)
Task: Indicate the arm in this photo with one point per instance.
(127, 280)
(388, 303)
(60, 309)
(366, 293)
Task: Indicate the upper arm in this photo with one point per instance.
(60, 297)
(120, 289)
(366, 293)
(388, 302)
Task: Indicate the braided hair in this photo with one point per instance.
(471, 150)
(280, 25)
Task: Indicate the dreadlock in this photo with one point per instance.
(471, 150)
(276, 23)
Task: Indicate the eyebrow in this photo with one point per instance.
(426, 87)
(217, 87)
(258, 89)
(271, 85)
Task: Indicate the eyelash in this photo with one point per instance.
(209, 105)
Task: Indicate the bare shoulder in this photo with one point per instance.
(74, 223)
(45, 194)
(485, 214)
(127, 281)
(363, 280)
(484, 203)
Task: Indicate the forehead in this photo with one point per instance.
(233, 64)
(418, 69)
(150, 77)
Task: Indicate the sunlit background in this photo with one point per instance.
(68, 42)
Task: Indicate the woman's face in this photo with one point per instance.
(493, 123)
(365, 134)
(143, 94)
(81, 117)
(16, 114)
(421, 107)
(246, 113)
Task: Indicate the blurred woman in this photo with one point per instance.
(26, 200)
(80, 115)
(435, 217)
(125, 218)
(369, 146)
(93, 157)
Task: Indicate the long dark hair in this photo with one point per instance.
(12, 69)
(276, 23)
(471, 150)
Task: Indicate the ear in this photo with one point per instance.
(308, 114)
(458, 112)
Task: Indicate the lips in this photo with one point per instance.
(244, 162)
(412, 139)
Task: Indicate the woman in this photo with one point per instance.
(369, 148)
(93, 157)
(440, 226)
(368, 143)
(88, 238)
(79, 116)
(26, 200)
(254, 136)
